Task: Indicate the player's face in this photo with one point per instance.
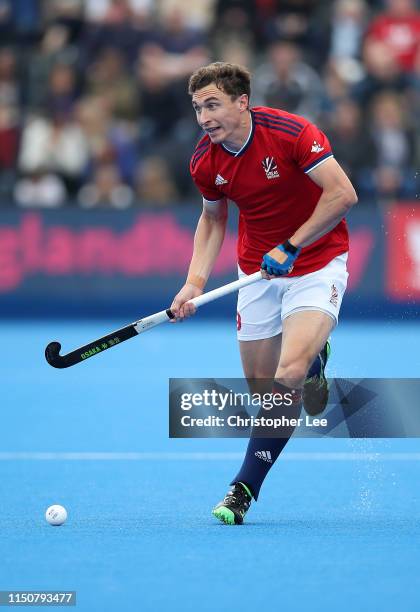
(218, 115)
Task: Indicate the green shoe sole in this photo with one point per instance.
(224, 515)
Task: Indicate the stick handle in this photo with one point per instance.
(226, 289)
(165, 315)
(151, 321)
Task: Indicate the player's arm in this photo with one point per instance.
(338, 196)
(208, 241)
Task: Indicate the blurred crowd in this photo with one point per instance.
(94, 109)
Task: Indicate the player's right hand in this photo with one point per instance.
(180, 306)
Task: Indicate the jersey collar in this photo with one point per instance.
(246, 143)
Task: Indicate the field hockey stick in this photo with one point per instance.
(52, 352)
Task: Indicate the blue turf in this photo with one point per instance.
(325, 535)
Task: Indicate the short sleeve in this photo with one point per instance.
(206, 190)
(312, 148)
(200, 169)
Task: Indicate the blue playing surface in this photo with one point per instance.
(329, 532)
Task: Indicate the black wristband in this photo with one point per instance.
(288, 246)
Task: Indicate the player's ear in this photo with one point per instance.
(243, 102)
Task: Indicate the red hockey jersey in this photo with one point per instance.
(268, 181)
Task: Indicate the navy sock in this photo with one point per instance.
(263, 450)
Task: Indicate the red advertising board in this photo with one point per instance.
(106, 263)
(403, 253)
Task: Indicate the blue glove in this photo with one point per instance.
(280, 260)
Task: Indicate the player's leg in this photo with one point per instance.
(259, 314)
(306, 330)
(324, 289)
(259, 335)
(259, 362)
(259, 329)
(304, 335)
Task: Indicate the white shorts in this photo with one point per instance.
(263, 305)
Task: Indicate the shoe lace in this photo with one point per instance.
(315, 380)
(235, 496)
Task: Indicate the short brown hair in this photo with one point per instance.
(232, 79)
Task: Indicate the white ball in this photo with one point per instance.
(56, 515)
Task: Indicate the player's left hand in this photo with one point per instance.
(280, 260)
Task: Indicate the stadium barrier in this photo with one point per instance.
(71, 262)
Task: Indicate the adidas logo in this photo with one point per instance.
(264, 455)
(220, 180)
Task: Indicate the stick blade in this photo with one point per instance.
(52, 355)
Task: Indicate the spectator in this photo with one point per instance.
(154, 183)
(121, 24)
(178, 40)
(55, 145)
(94, 91)
(336, 88)
(20, 21)
(9, 138)
(40, 189)
(392, 137)
(7, 30)
(62, 90)
(162, 92)
(177, 50)
(287, 82)
(109, 76)
(68, 14)
(198, 16)
(398, 28)
(352, 143)
(235, 23)
(235, 52)
(116, 11)
(107, 140)
(393, 177)
(413, 99)
(382, 73)
(106, 190)
(94, 116)
(9, 86)
(53, 49)
(348, 27)
(388, 184)
(302, 22)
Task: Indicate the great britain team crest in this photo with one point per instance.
(270, 167)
